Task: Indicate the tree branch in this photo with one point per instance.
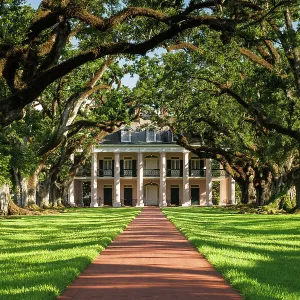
(253, 57)
(12, 106)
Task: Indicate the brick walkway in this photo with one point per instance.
(150, 260)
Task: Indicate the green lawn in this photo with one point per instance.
(258, 254)
(41, 255)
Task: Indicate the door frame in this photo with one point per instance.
(153, 185)
(108, 187)
(175, 187)
(198, 188)
(128, 202)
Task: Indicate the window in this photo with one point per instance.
(197, 167)
(127, 163)
(195, 164)
(175, 163)
(107, 163)
(151, 136)
(107, 167)
(125, 135)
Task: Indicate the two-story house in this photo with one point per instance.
(140, 167)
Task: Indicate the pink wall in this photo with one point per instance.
(100, 187)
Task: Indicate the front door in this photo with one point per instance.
(151, 195)
(108, 196)
(128, 196)
(175, 195)
(195, 192)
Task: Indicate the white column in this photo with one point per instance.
(224, 192)
(117, 202)
(94, 193)
(208, 183)
(186, 201)
(71, 198)
(231, 199)
(140, 181)
(163, 183)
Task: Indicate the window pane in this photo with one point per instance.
(151, 135)
(125, 135)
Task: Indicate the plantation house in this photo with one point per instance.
(144, 166)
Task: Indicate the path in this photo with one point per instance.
(150, 260)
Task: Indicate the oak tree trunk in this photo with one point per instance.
(4, 199)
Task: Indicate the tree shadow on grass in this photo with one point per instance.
(269, 243)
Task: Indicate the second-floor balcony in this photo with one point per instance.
(197, 172)
(105, 173)
(174, 172)
(151, 172)
(216, 173)
(123, 172)
(128, 173)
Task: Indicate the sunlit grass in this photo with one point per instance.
(41, 255)
(258, 254)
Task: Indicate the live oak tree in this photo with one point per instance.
(187, 85)
(30, 63)
(35, 51)
(266, 93)
(83, 104)
(33, 43)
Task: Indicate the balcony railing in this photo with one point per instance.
(151, 172)
(174, 173)
(197, 172)
(105, 173)
(84, 173)
(218, 173)
(128, 173)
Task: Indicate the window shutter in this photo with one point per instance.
(100, 173)
(168, 168)
(181, 168)
(168, 164)
(133, 168)
(122, 168)
(201, 163)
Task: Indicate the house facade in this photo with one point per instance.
(145, 167)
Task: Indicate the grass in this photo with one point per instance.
(258, 254)
(41, 255)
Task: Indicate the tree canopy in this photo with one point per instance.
(230, 80)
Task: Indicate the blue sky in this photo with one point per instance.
(33, 3)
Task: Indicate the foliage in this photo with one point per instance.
(42, 255)
(234, 99)
(216, 192)
(4, 164)
(257, 254)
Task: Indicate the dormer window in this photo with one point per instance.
(151, 135)
(125, 135)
